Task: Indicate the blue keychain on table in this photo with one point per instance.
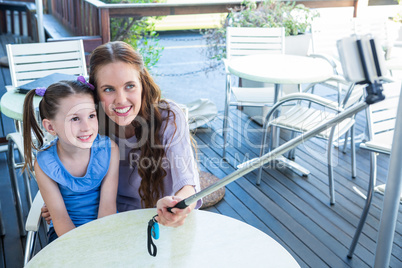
(153, 232)
(153, 229)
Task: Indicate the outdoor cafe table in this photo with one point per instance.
(12, 104)
(206, 239)
(282, 69)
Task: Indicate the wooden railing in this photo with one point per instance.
(92, 17)
(22, 10)
(79, 16)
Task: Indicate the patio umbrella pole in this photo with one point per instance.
(260, 161)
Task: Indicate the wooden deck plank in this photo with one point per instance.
(12, 241)
(2, 234)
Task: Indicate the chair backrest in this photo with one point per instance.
(31, 61)
(381, 118)
(353, 96)
(243, 41)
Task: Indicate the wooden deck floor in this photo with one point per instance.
(293, 210)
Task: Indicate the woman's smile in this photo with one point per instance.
(123, 111)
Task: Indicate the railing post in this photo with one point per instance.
(105, 24)
(39, 14)
(12, 21)
(3, 21)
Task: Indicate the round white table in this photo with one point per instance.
(281, 68)
(12, 104)
(206, 239)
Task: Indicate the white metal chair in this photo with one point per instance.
(15, 141)
(303, 117)
(244, 41)
(381, 119)
(31, 61)
(32, 226)
(27, 63)
(33, 220)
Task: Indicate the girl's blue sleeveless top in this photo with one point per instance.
(81, 194)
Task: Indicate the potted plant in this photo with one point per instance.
(398, 18)
(295, 18)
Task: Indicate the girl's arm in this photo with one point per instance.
(55, 203)
(107, 203)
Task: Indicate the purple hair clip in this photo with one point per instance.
(82, 80)
(40, 91)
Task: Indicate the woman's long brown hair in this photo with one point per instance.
(151, 187)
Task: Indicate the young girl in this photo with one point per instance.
(77, 173)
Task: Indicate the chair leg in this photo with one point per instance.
(345, 142)
(330, 167)
(339, 93)
(27, 184)
(29, 246)
(353, 155)
(312, 92)
(373, 176)
(2, 229)
(225, 116)
(14, 185)
(2, 127)
(292, 153)
(275, 130)
(225, 133)
(262, 149)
